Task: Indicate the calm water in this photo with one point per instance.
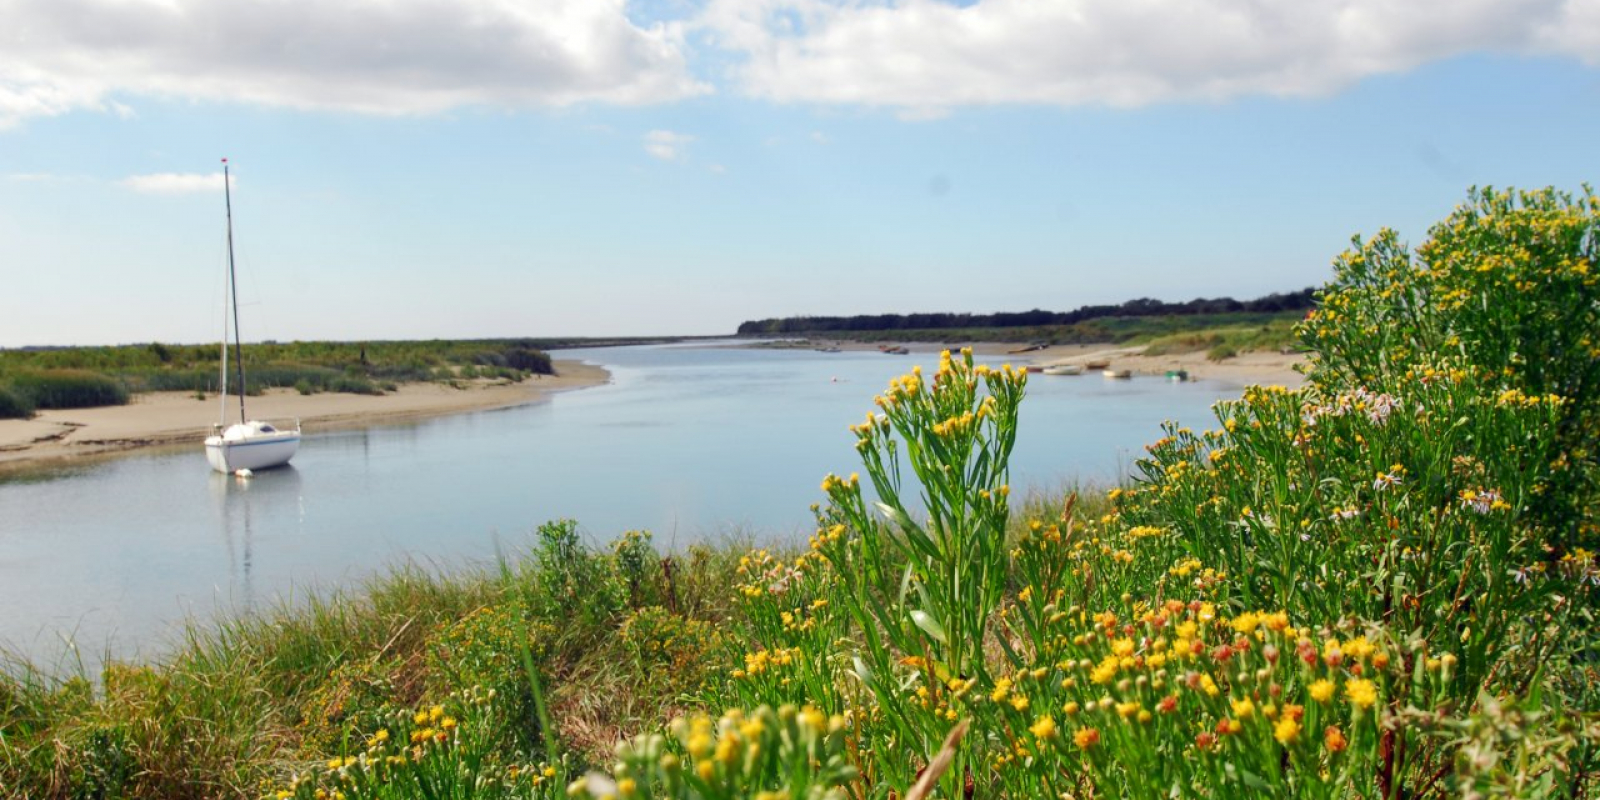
(689, 442)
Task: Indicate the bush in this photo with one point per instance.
(13, 405)
(1221, 352)
(68, 388)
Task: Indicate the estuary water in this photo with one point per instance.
(693, 443)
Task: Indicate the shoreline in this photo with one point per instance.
(64, 437)
(1258, 367)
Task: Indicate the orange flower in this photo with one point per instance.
(1334, 739)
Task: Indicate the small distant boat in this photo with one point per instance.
(250, 444)
(1098, 363)
(827, 349)
(1177, 375)
(1063, 369)
(1118, 373)
(897, 351)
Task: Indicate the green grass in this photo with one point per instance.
(1249, 331)
(65, 388)
(1381, 584)
(87, 376)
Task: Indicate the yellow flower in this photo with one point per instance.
(1244, 709)
(1361, 693)
(1287, 729)
(1086, 738)
(1322, 690)
(1044, 728)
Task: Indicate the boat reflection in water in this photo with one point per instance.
(242, 503)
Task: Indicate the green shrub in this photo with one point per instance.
(68, 388)
(304, 387)
(14, 405)
(1221, 352)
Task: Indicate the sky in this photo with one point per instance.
(407, 169)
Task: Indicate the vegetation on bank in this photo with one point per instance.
(1144, 307)
(1380, 585)
(1242, 332)
(78, 377)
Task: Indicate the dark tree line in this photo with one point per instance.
(1142, 307)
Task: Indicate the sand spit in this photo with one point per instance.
(174, 418)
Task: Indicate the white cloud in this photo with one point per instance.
(368, 56)
(666, 145)
(818, 137)
(175, 183)
(925, 56)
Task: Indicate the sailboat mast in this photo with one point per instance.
(233, 291)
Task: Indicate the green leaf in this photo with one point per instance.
(929, 625)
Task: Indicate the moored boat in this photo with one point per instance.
(1117, 373)
(1063, 369)
(248, 444)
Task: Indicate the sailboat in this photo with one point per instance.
(249, 444)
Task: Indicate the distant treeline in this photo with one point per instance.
(1143, 307)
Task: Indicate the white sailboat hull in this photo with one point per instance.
(249, 447)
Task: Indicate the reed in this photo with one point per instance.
(13, 405)
(66, 388)
(1381, 585)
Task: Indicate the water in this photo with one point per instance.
(690, 442)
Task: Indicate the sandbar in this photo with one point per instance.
(152, 419)
(1262, 368)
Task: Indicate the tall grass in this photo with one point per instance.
(66, 388)
(14, 405)
(1380, 585)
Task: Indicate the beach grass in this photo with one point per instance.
(1383, 584)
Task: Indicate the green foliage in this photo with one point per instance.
(358, 368)
(570, 581)
(66, 388)
(1383, 584)
(13, 405)
(789, 753)
(484, 650)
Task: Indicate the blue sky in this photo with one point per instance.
(467, 168)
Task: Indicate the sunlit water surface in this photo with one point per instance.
(690, 442)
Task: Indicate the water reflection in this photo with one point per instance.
(238, 502)
(690, 443)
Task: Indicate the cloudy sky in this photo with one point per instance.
(461, 168)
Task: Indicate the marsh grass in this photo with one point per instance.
(1380, 585)
(64, 388)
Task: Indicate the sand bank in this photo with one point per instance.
(172, 418)
(1263, 368)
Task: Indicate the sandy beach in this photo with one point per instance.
(173, 418)
(1245, 369)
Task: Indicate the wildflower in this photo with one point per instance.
(1086, 738)
(1287, 730)
(1044, 728)
(1334, 739)
(1361, 693)
(1322, 690)
(1243, 709)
